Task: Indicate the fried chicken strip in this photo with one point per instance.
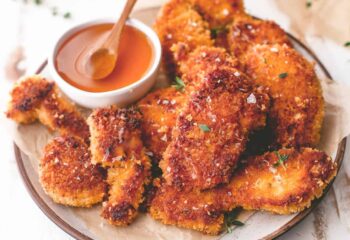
(219, 13)
(212, 128)
(159, 112)
(179, 22)
(36, 98)
(188, 209)
(67, 175)
(280, 182)
(297, 110)
(116, 144)
(161, 107)
(246, 32)
(194, 65)
(126, 193)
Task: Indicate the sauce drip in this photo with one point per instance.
(135, 56)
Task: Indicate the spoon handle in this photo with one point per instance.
(112, 41)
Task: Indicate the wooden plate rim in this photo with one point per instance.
(50, 213)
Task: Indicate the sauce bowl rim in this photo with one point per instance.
(139, 25)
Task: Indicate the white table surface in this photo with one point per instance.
(35, 28)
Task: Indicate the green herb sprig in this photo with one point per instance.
(281, 159)
(283, 75)
(347, 44)
(231, 220)
(215, 32)
(179, 84)
(204, 127)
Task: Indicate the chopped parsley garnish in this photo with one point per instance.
(178, 84)
(308, 4)
(237, 223)
(231, 220)
(347, 44)
(67, 15)
(204, 127)
(283, 75)
(214, 32)
(281, 159)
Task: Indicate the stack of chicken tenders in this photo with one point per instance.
(238, 128)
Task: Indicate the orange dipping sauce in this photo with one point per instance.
(135, 56)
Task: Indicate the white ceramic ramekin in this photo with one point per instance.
(120, 97)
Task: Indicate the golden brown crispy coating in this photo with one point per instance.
(268, 183)
(127, 186)
(297, 109)
(36, 98)
(26, 97)
(246, 32)
(212, 129)
(67, 175)
(194, 210)
(178, 22)
(115, 135)
(160, 108)
(195, 65)
(159, 111)
(219, 13)
(262, 184)
(116, 143)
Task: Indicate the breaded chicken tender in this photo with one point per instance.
(36, 98)
(280, 182)
(246, 32)
(194, 65)
(159, 112)
(115, 135)
(116, 144)
(219, 13)
(126, 191)
(67, 175)
(179, 22)
(188, 209)
(212, 129)
(297, 109)
(161, 107)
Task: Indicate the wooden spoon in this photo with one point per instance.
(103, 59)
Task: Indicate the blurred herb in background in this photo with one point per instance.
(54, 9)
(67, 15)
(308, 3)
